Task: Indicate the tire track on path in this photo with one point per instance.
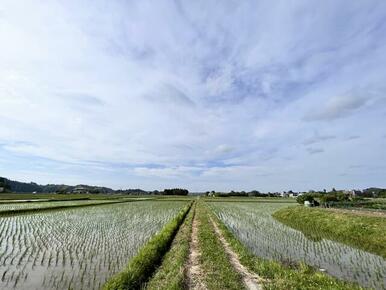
(194, 271)
(250, 280)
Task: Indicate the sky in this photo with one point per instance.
(204, 95)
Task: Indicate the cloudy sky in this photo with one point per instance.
(268, 95)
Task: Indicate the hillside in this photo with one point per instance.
(24, 187)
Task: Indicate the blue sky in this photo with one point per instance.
(268, 95)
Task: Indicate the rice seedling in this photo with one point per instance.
(267, 238)
(77, 248)
(6, 207)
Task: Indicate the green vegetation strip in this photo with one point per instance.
(143, 265)
(13, 212)
(171, 274)
(249, 200)
(278, 276)
(219, 272)
(363, 232)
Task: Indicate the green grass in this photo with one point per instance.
(372, 204)
(363, 232)
(250, 199)
(171, 274)
(278, 276)
(219, 273)
(172, 198)
(143, 265)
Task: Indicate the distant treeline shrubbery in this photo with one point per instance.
(238, 193)
(24, 187)
(175, 191)
(136, 191)
(4, 185)
(8, 185)
(337, 198)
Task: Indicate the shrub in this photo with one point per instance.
(328, 198)
(305, 197)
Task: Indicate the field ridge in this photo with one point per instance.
(194, 270)
(362, 232)
(142, 266)
(250, 280)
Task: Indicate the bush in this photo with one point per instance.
(305, 197)
(328, 198)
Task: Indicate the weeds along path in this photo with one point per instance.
(194, 271)
(172, 272)
(250, 280)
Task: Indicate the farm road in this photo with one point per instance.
(250, 280)
(194, 273)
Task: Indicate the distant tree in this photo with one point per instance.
(4, 185)
(176, 191)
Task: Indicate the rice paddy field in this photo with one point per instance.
(97, 244)
(78, 248)
(6, 207)
(254, 226)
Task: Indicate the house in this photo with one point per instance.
(355, 192)
(284, 194)
(2, 189)
(294, 194)
(80, 189)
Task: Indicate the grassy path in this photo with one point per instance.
(194, 269)
(250, 280)
(197, 250)
(219, 272)
(171, 274)
(142, 267)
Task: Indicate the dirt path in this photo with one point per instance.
(250, 280)
(194, 271)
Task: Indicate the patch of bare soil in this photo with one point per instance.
(250, 280)
(194, 271)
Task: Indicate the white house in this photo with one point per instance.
(80, 189)
(284, 194)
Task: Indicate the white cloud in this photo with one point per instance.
(218, 93)
(338, 107)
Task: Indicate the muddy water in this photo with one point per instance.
(268, 238)
(76, 248)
